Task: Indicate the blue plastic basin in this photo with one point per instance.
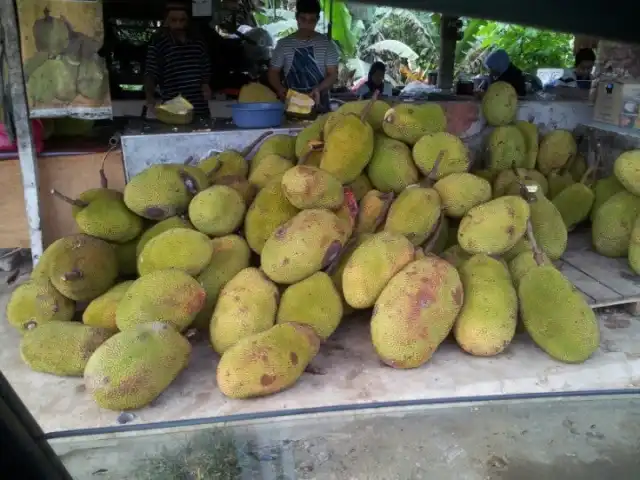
(257, 115)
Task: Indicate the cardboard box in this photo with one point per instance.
(618, 103)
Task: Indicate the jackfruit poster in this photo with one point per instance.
(64, 74)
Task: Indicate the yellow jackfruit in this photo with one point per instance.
(217, 211)
(506, 147)
(345, 255)
(309, 187)
(376, 114)
(556, 149)
(255, 92)
(373, 211)
(612, 224)
(520, 265)
(180, 248)
(101, 312)
(530, 133)
(282, 145)
(407, 122)
(627, 170)
(414, 214)
(455, 157)
(161, 227)
(36, 302)
(500, 104)
(459, 192)
(548, 227)
(270, 167)
(391, 168)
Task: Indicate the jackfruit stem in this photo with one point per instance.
(72, 275)
(189, 182)
(593, 169)
(104, 182)
(70, 201)
(367, 108)
(331, 268)
(189, 160)
(524, 191)
(247, 150)
(431, 177)
(434, 234)
(537, 253)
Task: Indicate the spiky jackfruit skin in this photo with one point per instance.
(360, 186)
(161, 227)
(634, 247)
(132, 368)
(101, 312)
(459, 192)
(549, 227)
(556, 149)
(391, 168)
(61, 348)
(180, 248)
(158, 192)
(506, 148)
(270, 167)
(414, 214)
(37, 302)
(626, 168)
(217, 211)
(314, 302)
(574, 204)
(373, 211)
(523, 245)
(308, 134)
(247, 305)
(269, 210)
(506, 182)
(407, 123)
(558, 182)
(415, 312)
(110, 220)
(255, 92)
(455, 255)
(343, 158)
(530, 133)
(310, 187)
(167, 296)
(83, 268)
(282, 145)
(612, 224)
(556, 315)
(522, 263)
(226, 163)
(376, 114)
(94, 194)
(487, 321)
(603, 190)
(345, 255)
(305, 244)
(455, 157)
(41, 269)
(494, 227)
(372, 265)
(500, 104)
(231, 254)
(267, 362)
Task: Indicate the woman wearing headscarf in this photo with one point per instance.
(375, 83)
(502, 70)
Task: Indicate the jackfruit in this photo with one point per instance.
(391, 168)
(441, 242)
(612, 224)
(415, 312)
(168, 296)
(255, 92)
(459, 192)
(267, 362)
(132, 368)
(161, 227)
(84, 267)
(559, 180)
(487, 321)
(634, 247)
(54, 79)
(548, 227)
(311, 133)
(376, 114)
(337, 269)
(505, 183)
(520, 247)
(246, 305)
(241, 185)
(556, 148)
(626, 168)
(126, 256)
(101, 312)
(530, 133)
(217, 211)
(41, 269)
(230, 162)
(180, 248)
(574, 202)
(578, 167)
(332, 120)
(494, 227)
(309, 187)
(61, 348)
(269, 210)
(347, 213)
(506, 147)
(199, 177)
(407, 122)
(414, 214)
(36, 302)
(313, 301)
(305, 244)
(282, 145)
(343, 157)
(93, 194)
(270, 167)
(522, 263)
(455, 156)
(455, 255)
(500, 104)
(603, 190)
(371, 266)
(374, 207)
(360, 186)
(489, 175)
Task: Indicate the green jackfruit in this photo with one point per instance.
(455, 255)
(181, 248)
(455, 158)
(360, 186)
(549, 227)
(489, 175)
(37, 302)
(523, 263)
(311, 133)
(612, 224)
(134, 367)
(506, 147)
(414, 214)
(487, 322)
(41, 269)
(282, 145)
(523, 245)
(305, 244)
(459, 192)
(309, 187)
(161, 227)
(217, 211)
(231, 254)
(313, 301)
(241, 185)
(230, 162)
(93, 194)
(84, 267)
(415, 312)
(332, 120)
(556, 149)
(270, 167)
(391, 168)
(126, 256)
(634, 247)
(61, 348)
(376, 114)
(373, 211)
(407, 122)
(530, 133)
(558, 181)
(603, 190)
(627, 170)
(578, 167)
(200, 178)
(500, 104)
(101, 312)
(574, 203)
(345, 255)
(506, 179)
(494, 227)
(269, 210)
(372, 265)
(267, 362)
(168, 296)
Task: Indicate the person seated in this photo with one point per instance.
(580, 75)
(375, 82)
(502, 70)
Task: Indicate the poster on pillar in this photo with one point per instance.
(64, 74)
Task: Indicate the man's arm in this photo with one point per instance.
(151, 73)
(332, 61)
(277, 63)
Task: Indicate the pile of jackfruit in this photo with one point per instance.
(369, 208)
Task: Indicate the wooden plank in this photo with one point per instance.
(590, 287)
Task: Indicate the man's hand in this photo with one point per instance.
(206, 92)
(151, 107)
(315, 94)
(282, 93)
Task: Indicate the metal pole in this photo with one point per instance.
(447, 52)
(24, 136)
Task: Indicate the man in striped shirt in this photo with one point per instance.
(306, 60)
(178, 63)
